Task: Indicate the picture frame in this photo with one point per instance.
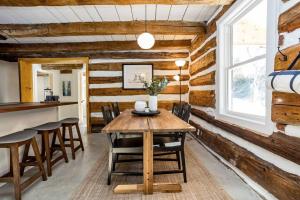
(133, 73)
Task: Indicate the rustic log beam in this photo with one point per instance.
(292, 53)
(102, 28)
(89, 46)
(204, 63)
(209, 45)
(95, 55)
(278, 143)
(202, 98)
(286, 114)
(171, 77)
(207, 79)
(96, 106)
(290, 19)
(157, 65)
(282, 98)
(120, 92)
(109, 2)
(280, 183)
(103, 80)
(61, 67)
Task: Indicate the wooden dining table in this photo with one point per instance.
(164, 122)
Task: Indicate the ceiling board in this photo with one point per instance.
(124, 12)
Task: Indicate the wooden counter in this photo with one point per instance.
(12, 107)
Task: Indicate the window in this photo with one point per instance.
(244, 53)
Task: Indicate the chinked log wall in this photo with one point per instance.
(104, 90)
(285, 110)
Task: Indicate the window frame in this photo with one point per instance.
(259, 124)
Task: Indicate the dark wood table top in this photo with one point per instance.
(12, 107)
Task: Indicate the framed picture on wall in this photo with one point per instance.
(66, 88)
(135, 74)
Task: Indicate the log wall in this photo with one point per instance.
(106, 85)
(285, 113)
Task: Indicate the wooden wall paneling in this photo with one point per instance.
(61, 66)
(108, 2)
(204, 98)
(157, 65)
(196, 43)
(280, 183)
(207, 79)
(278, 143)
(102, 80)
(96, 106)
(209, 45)
(292, 53)
(120, 92)
(290, 19)
(204, 63)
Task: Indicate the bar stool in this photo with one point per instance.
(47, 152)
(13, 142)
(69, 123)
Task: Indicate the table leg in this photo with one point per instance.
(148, 162)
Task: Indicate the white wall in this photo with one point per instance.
(9, 82)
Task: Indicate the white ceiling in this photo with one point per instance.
(98, 13)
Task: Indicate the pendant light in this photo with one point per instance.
(146, 40)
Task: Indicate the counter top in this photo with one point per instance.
(12, 107)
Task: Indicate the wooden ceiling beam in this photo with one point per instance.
(97, 55)
(61, 67)
(102, 28)
(108, 2)
(89, 46)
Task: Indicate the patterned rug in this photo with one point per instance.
(200, 185)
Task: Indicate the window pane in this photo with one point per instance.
(249, 34)
(247, 88)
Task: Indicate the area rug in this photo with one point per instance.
(200, 186)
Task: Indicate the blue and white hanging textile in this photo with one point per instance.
(284, 81)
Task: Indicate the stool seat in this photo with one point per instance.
(48, 126)
(16, 137)
(70, 120)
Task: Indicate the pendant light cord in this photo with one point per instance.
(145, 17)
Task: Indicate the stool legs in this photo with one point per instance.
(62, 145)
(38, 158)
(45, 136)
(71, 138)
(79, 136)
(14, 150)
(71, 142)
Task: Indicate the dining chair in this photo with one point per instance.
(177, 109)
(117, 146)
(115, 109)
(176, 141)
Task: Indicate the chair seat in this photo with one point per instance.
(48, 126)
(70, 120)
(20, 136)
(138, 142)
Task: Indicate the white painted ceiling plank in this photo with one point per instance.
(138, 12)
(57, 14)
(151, 9)
(67, 12)
(124, 12)
(82, 13)
(177, 12)
(108, 13)
(92, 11)
(162, 12)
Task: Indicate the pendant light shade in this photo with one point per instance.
(146, 40)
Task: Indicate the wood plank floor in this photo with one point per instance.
(69, 177)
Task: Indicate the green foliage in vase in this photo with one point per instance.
(156, 86)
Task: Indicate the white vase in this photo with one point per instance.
(153, 103)
(140, 106)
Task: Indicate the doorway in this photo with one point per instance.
(69, 84)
